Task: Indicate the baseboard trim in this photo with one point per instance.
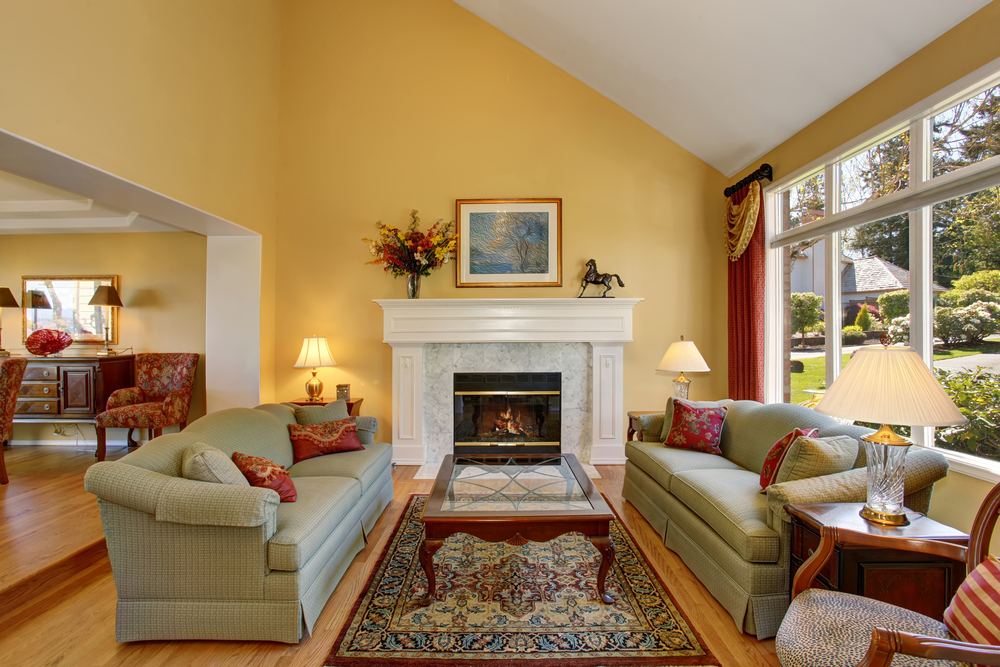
(24, 590)
(68, 443)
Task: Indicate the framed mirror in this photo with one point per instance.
(62, 303)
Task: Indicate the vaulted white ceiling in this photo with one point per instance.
(726, 79)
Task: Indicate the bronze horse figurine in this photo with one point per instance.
(595, 278)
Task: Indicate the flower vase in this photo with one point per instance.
(413, 286)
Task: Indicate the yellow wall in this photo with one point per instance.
(960, 51)
(161, 281)
(180, 96)
(389, 105)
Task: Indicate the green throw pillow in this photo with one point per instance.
(209, 464)
(815, 457)
(668, 414)
(318, 414)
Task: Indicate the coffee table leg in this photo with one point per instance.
(427, 550)
(607, 549)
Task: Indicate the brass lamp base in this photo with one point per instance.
(4, 353)
(885, 519)
(314, 388)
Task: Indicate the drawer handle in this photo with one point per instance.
(809, 552)
(46, 390)
(45, 373)
(48, 407)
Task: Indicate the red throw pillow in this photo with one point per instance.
(694, 428)
(772, 462)
(266, 473)
(309, 440)
(974, 612)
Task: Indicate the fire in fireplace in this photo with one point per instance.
(519, 412)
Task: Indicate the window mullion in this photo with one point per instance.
(834, 318)
(921, 259)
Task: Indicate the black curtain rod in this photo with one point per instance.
(762, 173)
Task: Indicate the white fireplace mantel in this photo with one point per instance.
(606, 324)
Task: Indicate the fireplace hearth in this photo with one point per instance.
(507, 413)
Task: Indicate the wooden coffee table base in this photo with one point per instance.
(597, 531)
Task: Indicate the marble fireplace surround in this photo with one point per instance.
(433, 338)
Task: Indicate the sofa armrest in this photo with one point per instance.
(923, 468)
(367, 426)
(178, 500)
(651, 427)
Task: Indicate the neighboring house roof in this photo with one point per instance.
(874, 274)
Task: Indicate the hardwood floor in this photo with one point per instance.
(47, 515)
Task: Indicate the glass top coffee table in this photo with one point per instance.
(515, 500)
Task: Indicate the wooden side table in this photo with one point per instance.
(634, 428)
(920, 582)
(353, 405)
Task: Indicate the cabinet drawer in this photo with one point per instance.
(33, 372)
(37, 407)
(39, 390)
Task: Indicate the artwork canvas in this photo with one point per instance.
(509, 242)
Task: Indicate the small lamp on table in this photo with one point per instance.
(7, 300)
(888, 385)
(682, 356)
(315, 354)
(107, 296)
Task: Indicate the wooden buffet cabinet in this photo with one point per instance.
(70, 389)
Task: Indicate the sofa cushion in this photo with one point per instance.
(777, 454)
(246, 430)
(662, 463)
(365, 465)
(209, 464)
(668, 413)
(304, 525)
(317, 414)
(696, 428)
(729, 502)
(815, 457)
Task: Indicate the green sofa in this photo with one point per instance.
(709, 509)
(200, 560)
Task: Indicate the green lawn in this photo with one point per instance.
(814, 376)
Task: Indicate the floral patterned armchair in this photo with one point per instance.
(162, 397)
(11, 372)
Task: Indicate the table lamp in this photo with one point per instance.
(315, 354)
(7, 300)
(682, 356)
(107, 296)
(36, 300)
(888, 385)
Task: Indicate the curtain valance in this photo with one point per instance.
(741, 219)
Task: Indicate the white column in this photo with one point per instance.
(607, 412)
(408, 403)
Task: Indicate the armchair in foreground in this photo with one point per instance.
(161, 398)
(11, 372)
(831, 629)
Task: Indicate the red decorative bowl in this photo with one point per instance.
(47, 341)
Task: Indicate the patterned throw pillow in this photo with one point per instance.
(309, 440)
(267, 474)
(815, 457)
(209, 464)
(777, 454)
(974, 612)
(696, 428)
(668, 413)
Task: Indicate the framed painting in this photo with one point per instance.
(63, 303)
(509, 242)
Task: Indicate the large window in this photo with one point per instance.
(897, 234)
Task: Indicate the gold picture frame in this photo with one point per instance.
(68, 308)
(509, 242)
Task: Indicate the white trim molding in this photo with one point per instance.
(606, 324)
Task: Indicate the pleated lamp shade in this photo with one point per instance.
(315, 353)
(684, 357)
(889, 385)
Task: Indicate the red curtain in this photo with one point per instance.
(746, 313)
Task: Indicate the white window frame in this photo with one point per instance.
(917, 199)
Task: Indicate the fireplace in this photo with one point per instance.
(507, 413)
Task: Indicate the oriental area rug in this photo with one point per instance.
(518, 605)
